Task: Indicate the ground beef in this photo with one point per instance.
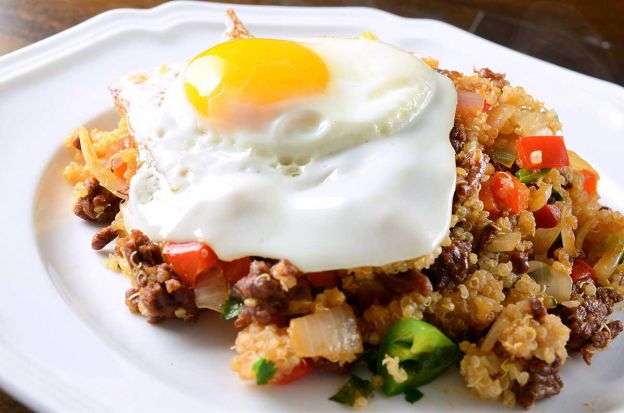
(265, 301)
(103, 237)
(520, 262)
(158, 293)
(538, 309)
(590, 329)
(484, 237)
(474, 163)
(405, 282)
(458, 137)
(544, 381)
(498, 78)
(99, 204)
(451, 266)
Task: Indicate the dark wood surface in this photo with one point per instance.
(583, 35)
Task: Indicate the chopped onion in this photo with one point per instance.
(469, 103)
(567, 231)
(329, 333)
(504, 155)
(494, 332)
(104, 176)
(584, 230)
(505, 242)
(499, 115)
(539, 198)
(211, 290)
(558, 284)
(609, 260)
(544, 238)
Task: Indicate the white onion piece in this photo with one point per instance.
(505, 242)
(211, 290)
(104, 176)
(329, 333)
(469, 103)
(544, 238)
(558, 284)
(609, 260)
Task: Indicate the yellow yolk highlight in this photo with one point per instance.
(252, 72)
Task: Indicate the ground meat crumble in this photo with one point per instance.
(451, 266)
(590, 328)
(99, 204)
(544, 381)
(157, 293)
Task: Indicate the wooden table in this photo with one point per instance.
(586, 36)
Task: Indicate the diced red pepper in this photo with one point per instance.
(591, 181)
(323, 279)
(235, 270)
(486, 106)
(189, 259)
(582, 270)
(537, 152)
(547, 217)
(300, 370)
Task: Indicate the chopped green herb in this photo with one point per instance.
(265, 370)
(230, 309)
(413, 395)
(554, 301)
(348, 392)
(526, 175)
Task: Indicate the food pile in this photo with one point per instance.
(527, 277)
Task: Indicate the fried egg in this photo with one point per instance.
(332, 153)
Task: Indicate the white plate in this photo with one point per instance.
(67, 341)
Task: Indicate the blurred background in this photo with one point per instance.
(583, 35)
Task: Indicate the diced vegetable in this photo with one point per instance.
(539, 197)
(548, 216)
(189, 259)
(568, 240)
(505, 155)
(590, 185)
(349, 391)
(504, 191)
(413, 395)
(591, 175)
(211, 290)
(505, 242)
(329, 333)
(538, 152)
(235, 270)
(265, 370)
(609, 260)
(526, 175)
(323, 279)
(544, 238)
(582, 270)
(423, 352)
(300, 370)
(469, 104)
(230, 309)
(558, 284)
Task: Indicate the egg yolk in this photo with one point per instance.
(252, 72)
